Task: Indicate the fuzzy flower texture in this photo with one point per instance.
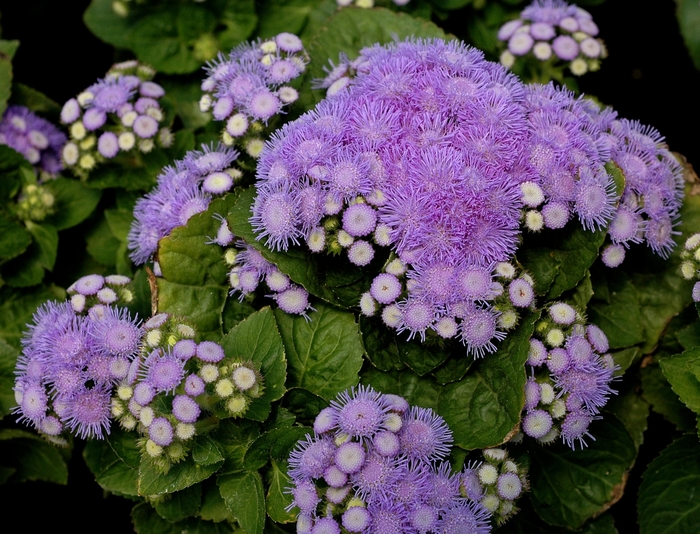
(86, 363)
(553, 31)
(39, 141)
(118, 114)
(428, 162)
(377, 465)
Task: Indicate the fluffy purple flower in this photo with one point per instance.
(39, 141)
(425, 435)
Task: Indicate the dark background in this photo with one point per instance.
(648, 76)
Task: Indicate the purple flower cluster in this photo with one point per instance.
(649, 208)
(566, 163)
(72, 356)
(251, 85)
(181, 192)
(377, 465)
(553, 31)
(570, 377)
(39, 141)
(691, 263)
(172, 381)
(118, 114)
(250, 268)
(496, 483)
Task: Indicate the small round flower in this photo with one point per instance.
(509, 486)
(185, 409)
(542, 51)
(350, 457)
(556, 215)
(89, 285)
(521, 293)
(532, 194)
(126, 140)
(356, 519)
(194, 385)
(520, 44)
(210, 352)
(293, 300)
(613, 255)
(360, 412)
(217, 183)
(108, 144)
(288, 42)
(537, 423)
(562, 313)
(263, 105)
(565, 47)
(244, 378)
(160, 431)
(359, 220)
(361, 253)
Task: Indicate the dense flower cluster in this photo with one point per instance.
(690, 267)
(377, 465)
(496, 483)
(118, 114)
(34, 202)
(251, 85)
(173, 381)
(73, 355)
(570, 377)
(183, 190)
(86, 361)
(556, 32)
(39, 141)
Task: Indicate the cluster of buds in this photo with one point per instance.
(691, 263)
(496, 483)
(570, 376)
(73, 355)
(251, 85)
(249, 269)
(555, 32)
(503, 287)
(120, 114)
(39, 141)
(182, 191)
(34, 203)
(376, 464)
(174, 380)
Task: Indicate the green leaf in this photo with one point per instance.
(631, 409)
(45, 238)
(185, 97)
(235, 437)
(147, 521)
(304, 404)
(257, 339)
(194, 273)
(213, 506)
(244, 497)
(102, 21)
(181, 504)
(324, 353)
(102, 245)
(282, 440)
(17, 308)
(619, 316)
(669, 502)
(688, 14)
(381, 345)
(570, 486)
(122, 176)
(277, 498)
(115, 462)
(14, 238)
(38, 102)
(205, 451)
(8, 359)
(285, 16)
(451, 4)
(323, 277)
(484, 408)
(73, 202)
(180, 476)
(7, 51)
(682, 372)
(240, 20)
(658, 392)
(164, 37)
(119, 221)
(32, 457)
(559, 260)
(417, 390)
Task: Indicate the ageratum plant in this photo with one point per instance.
(332, 268)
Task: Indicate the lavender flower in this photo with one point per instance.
(114, 115)
(249, 86)
(179, 194)
(371, 466)
(555, 32)
(39, 141)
